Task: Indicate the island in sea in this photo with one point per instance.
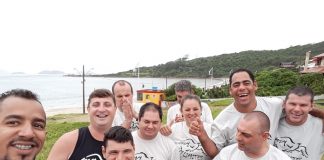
(51, 72)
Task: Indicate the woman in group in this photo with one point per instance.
(189, 145)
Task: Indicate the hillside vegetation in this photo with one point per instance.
(253, 60)
(271, 82)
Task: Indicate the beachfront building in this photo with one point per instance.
(318, 62)
(150, 95)
(287, 65)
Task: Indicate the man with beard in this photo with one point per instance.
(22, 125)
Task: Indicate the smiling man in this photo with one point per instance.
(22, 125)
(293, 128)
(85, 143)
(149, 143)
(243, 87)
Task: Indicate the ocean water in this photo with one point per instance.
(57, 91)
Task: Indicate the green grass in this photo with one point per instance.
(223, 102)
(54, 131)
(164, 117)
(218, 106)
(320, 103)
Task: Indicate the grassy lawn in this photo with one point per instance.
(320, 103)
(59, 124)
(217, 106)
(54, 131)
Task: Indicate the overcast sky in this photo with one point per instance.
(113, 36)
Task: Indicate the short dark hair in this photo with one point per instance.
(22, 93)
(183, 85)
(118, 134)
(241, 70)
(190, 96)
(101, 93)
(122, 83)
(301, 91)
(261, 117)
(150, 106)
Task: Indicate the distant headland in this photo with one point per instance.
(51, 72)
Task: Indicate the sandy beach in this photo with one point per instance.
(55, 111)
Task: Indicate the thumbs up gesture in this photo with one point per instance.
(197, 127)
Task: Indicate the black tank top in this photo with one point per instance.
(87, 148)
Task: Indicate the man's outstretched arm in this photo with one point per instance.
(316, 112)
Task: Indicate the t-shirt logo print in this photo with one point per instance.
(92, 157)
(134, 125)
(294, 150)
(189, 149)
(143, 156)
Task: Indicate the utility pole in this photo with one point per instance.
(82, 75)
(211, 72)
(205, 84)
(166, 82)
(83, 81)
(138, 76)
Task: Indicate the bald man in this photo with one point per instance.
(127, 111)
(252, 140)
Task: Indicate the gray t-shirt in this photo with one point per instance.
(304, 142)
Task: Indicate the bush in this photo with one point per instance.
(218, 92)
(278, 81)
(274, 82)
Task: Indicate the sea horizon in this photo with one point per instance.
(58, 91)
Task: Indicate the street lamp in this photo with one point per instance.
(83, 96)
(83, 89)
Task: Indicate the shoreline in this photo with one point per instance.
(66, 110)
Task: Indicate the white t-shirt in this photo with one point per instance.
(120, 118)
(225, 124)
(189, 145)
(159, 148)
(206, 115)
(301, 142)
(232, 152)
